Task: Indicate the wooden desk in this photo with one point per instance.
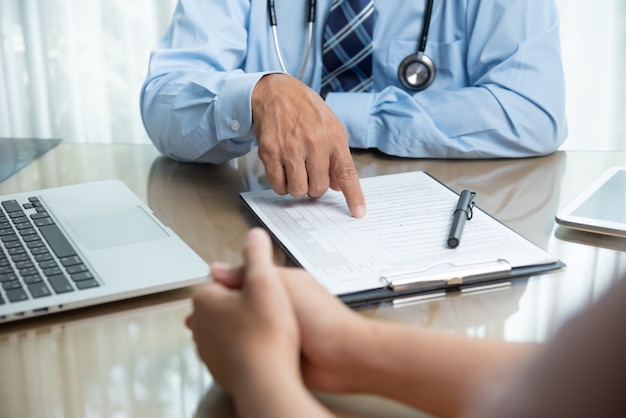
(135, 358)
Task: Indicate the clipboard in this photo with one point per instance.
(426, 288)
(399, 249)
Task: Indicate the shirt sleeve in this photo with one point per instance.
(511, 103)
(195, 102)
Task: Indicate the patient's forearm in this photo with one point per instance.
(430, 370)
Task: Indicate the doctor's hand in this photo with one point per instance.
(302, 144)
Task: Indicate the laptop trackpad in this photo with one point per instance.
(113, 229)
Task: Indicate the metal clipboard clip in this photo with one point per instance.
(449, 274)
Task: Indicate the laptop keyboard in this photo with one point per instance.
(36, 260)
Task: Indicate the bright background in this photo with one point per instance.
(73, 69)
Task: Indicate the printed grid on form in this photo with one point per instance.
(406, 226)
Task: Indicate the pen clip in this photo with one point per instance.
(447, 274)
(469, 209)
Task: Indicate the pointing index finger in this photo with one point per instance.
(347, 179)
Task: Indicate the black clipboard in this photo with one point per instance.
(430, 280)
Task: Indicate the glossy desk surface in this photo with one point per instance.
(135, 358)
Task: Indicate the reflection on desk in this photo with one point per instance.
(114, 365)
(591, 239)
(135, 358)
(201, 203)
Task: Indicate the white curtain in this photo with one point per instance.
(593, 39)
(73, 69)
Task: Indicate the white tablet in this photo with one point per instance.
(600, 208)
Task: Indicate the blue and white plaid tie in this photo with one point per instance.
(347, 47)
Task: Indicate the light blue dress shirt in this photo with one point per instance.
(499, 89)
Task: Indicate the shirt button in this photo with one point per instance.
(235, 125)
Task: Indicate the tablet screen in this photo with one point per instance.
(601, 207)
(608, 202)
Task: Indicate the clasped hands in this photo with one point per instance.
(302, 144)
(266, 332)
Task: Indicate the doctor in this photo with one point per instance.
(434, 79)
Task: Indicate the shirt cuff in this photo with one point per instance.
(353, 110)
(233, 112)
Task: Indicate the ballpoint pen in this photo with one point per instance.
(462, 213)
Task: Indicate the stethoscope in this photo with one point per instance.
(309, 39)
(416, 72)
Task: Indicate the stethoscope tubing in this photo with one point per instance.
(271, 10)
(410, 61)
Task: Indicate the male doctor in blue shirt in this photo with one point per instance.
(215, 88)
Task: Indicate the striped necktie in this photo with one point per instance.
(347, 47)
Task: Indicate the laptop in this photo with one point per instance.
(75, 246)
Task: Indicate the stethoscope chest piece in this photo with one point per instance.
(416, 72)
